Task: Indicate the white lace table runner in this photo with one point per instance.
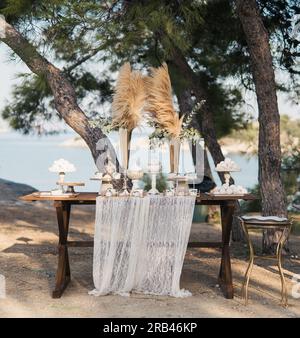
(140, 244)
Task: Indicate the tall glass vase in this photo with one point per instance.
(125, 138)
(174, 154)
(199, 158)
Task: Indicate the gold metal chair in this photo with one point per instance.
(265, 223)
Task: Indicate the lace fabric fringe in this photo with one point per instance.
(140, 244)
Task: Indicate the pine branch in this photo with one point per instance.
(63, 91)
(82, 60)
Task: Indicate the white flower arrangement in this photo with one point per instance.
(227, 165)
(62, 166)
(187, 132)
(159, 136)
(230, 190)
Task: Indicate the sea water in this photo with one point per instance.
(26, 159)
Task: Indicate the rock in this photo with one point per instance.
(10, 191)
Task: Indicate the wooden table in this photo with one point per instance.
(63, 210)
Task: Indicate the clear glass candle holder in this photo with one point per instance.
(193, 192)
(170, 192)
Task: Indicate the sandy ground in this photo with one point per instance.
(28, 237)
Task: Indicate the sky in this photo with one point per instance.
(8, 71)
(10, 68)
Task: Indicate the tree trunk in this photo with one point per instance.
(63, 91)
(207, 126)
(269, 152)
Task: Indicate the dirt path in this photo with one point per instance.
(28, 237)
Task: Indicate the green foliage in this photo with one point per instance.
(159, 136)
(32, 105)
(29, 104)
(84, 35)
(279, 17)
(290, 126)
(226, 103)
(104, 123)
(252, 206)
(161, 182)
(289, 178)
(290, 139)
(292, 161)
(14, 10)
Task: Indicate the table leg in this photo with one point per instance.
(63, 275)
(225, 275)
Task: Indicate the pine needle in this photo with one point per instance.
(160, 101)
(129, 98)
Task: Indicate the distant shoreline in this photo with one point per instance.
(228, 145)
(10, 191)
(75, 142)
(4, 130)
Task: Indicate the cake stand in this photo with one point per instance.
(181, 184)
(105, 184)
(70, 186)
(227, 175)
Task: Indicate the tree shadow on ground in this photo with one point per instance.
(30, 263)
